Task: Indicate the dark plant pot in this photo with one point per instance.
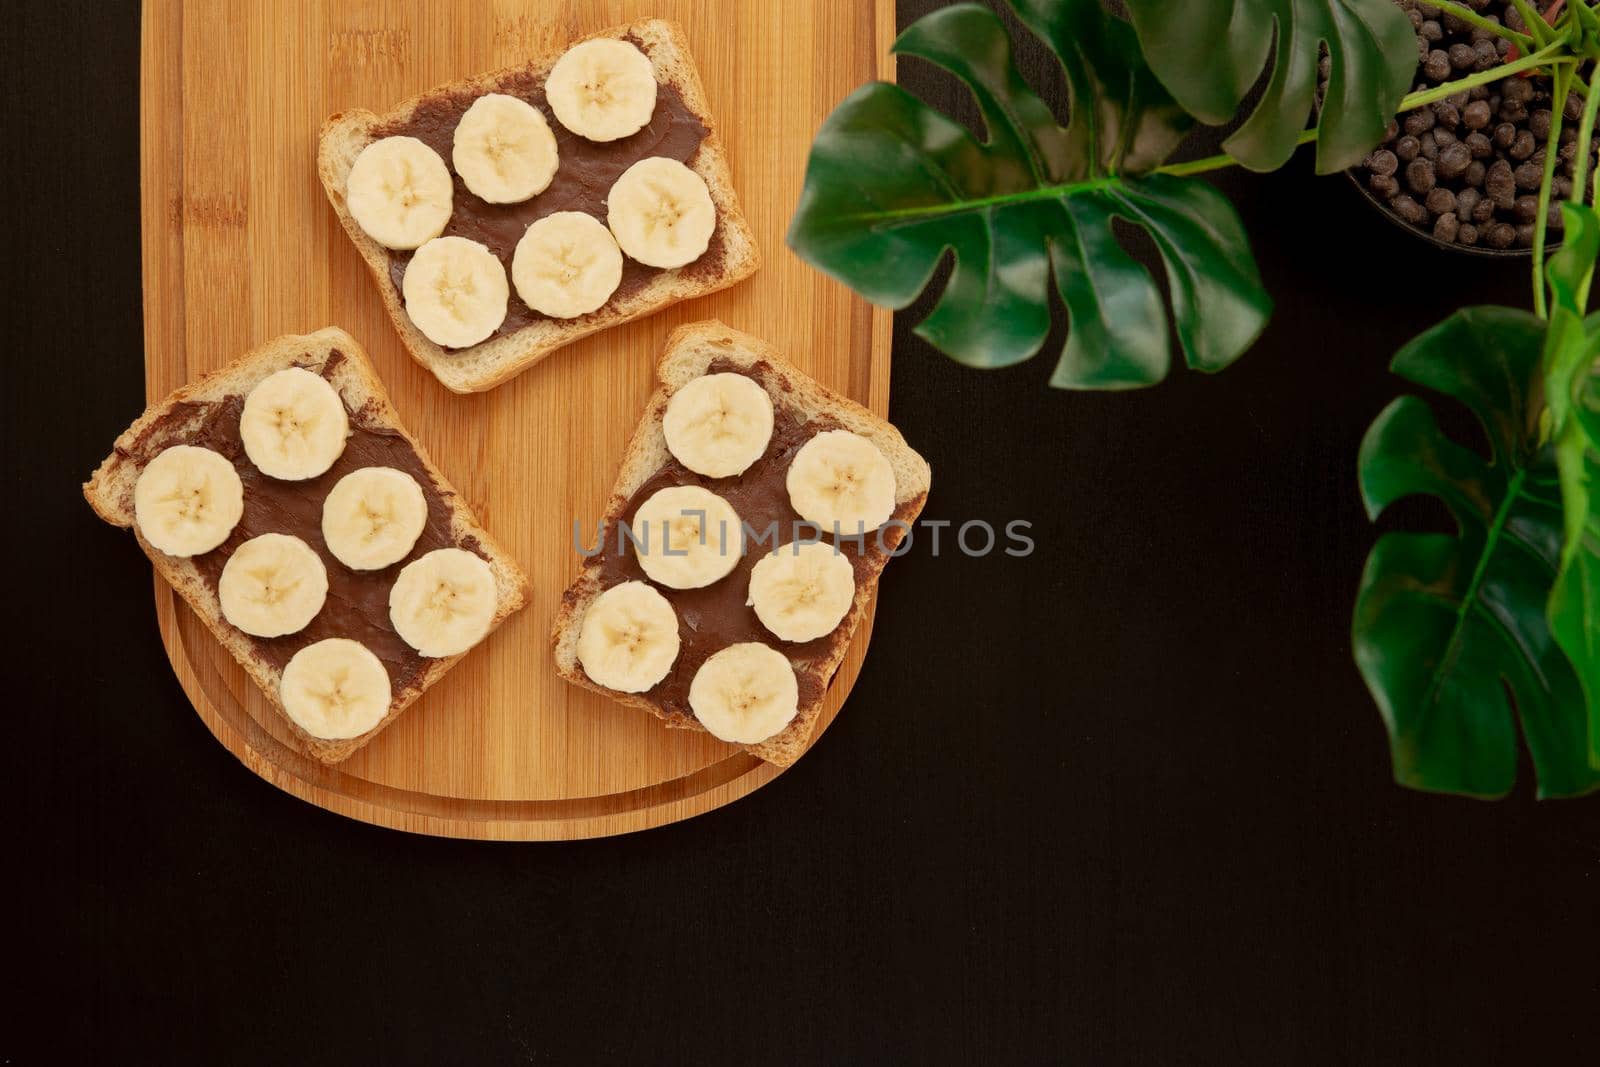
(1551, 243)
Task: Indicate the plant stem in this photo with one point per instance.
(1537, 26)
(1471, 17)
(1541, 222)
(1217, 162)
(1544, 57)
(1580, 173)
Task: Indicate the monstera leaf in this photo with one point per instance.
(1210, 53)
(1572, 391)
(1450, 630)
(892, 185)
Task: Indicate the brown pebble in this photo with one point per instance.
(1523, 146)
(1383, 161)
(1419, 175)
(1437, 65)
(1539, 123)
(1526, 209)
(1447, 114)
(1454, 161)
(1528, 175)
(1524, 234)
(1504, 134)
(1484, 55)
(1519, 90)
(1410, 210)
(1478, 145)
(1501, 235)
(1440, 201)
(1466, 200)
(1407, 148)
(1476, 115)
(1446, 227)
(1500, 184)
(1467, 234)
(1483, 210)
(1430, 30)
(1419, 122)
(1383, 185)
(1461, 56)
(1573, 109)
(1475, 173)
(1553, 217)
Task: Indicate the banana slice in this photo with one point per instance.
(719, 424)
(272, 585)
(745, 693)
(687, 537)
(294, 425)
(602, 89)
(335, 689)
(443, 602)
(661, 213)
(455, 291)
(802, 590)
(567, 264)
(504, 150)
(629, 638)
(187, 500)
(841, 482)
(400, 192)
(373, 517)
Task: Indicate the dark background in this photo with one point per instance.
(1124, 802)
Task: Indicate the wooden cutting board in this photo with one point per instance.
(240, 245)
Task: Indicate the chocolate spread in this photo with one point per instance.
(357, 606)
(584, 176)
(715, 616)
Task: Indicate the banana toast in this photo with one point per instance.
(680, 129)
(713, 616)
(208, 414)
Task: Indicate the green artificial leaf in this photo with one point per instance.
(1210, 53)
(1572, 391)
(893, 185)
(1449, 629)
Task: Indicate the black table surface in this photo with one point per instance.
(1124, 801)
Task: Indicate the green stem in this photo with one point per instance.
(1217, 162)
(1537, 26)
(1552, 149)
(1467, 15)
(1580, 173)
(1544, 57)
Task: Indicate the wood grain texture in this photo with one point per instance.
(239, 244)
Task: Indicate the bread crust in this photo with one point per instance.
(110, 493)
(690, 349)
(485, 365)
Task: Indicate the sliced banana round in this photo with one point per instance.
(840, 481)
(686, 537)
(294, 425)
(335, 689)
(187, 500)
(400, 192)
(443, 602)
(629, 638)
(602, 89)
(661, 213)
(373, 517)
(567, 264)
(745, 693)
(455, 291)
(504, 150)
(802, 590)
(272, 585)
(718, 424)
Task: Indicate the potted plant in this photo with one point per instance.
(1460, 635)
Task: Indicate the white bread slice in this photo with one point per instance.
(110, 492)
(486, 365)
(690, 350)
